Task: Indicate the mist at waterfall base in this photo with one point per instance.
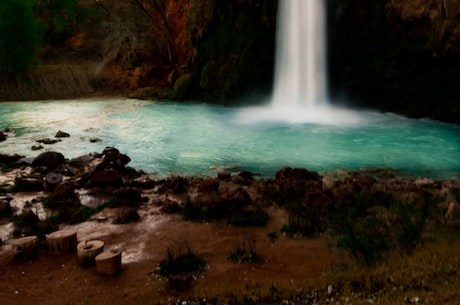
(169, 138)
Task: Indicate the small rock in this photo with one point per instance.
(2, 136)
(224, 176)
(62, 134)
(36, 147)
(48, 141)
(420, 182)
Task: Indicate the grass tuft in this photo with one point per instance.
(181, 260)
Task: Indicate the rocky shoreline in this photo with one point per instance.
(94, 179)
(387, 211)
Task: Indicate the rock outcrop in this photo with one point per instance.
(390, 55)
(397, 55)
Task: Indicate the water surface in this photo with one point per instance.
(168, 138)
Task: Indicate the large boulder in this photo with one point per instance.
(49, 159)
(9, 159)
(112, 157)
(83, 165)
(64, 190)
(5, 208)
(293, 183)
(228, 201)
(106, 177)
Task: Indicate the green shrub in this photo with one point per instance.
(300, 224)
(245, 252)
(371, 228)
(60, 18)
(182, 87)
(195, 212)
(272, 236)
(19, 37)
(181, 261)
(126, 215)
(257, 218)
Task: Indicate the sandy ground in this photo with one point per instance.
(54, 280)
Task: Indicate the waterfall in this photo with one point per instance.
(300, 94)
(300, 71)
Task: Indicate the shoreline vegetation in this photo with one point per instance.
(395, 238)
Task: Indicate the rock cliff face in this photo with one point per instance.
(439, 20)
(391, 55)
(233, 45)
(397, 55)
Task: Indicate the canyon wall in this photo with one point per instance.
(389, 55)
(397, 55)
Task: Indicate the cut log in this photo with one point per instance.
(24, 248)
(51, 180)
(61, 242)
(109, 262)
(88, 250)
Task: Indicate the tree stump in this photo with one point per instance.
(88, 250)
(109, 262)
(25, 247)
(51, 180)
(61, 242)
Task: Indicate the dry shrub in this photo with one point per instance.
(52, 82)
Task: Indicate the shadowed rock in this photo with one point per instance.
(5, 208)
(49, 159)
(62, 134)
(107, 177)
(229, 201)
(9, 159)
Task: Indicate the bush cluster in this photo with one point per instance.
(181, 260)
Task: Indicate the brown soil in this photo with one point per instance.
(54, 280)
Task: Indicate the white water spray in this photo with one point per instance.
(300, 71)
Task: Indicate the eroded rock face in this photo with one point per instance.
(233, 46)
(440, 19)
(396, 55)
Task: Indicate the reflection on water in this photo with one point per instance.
(173, 138)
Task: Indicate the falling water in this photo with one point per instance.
(300, 77)
(300, 91)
